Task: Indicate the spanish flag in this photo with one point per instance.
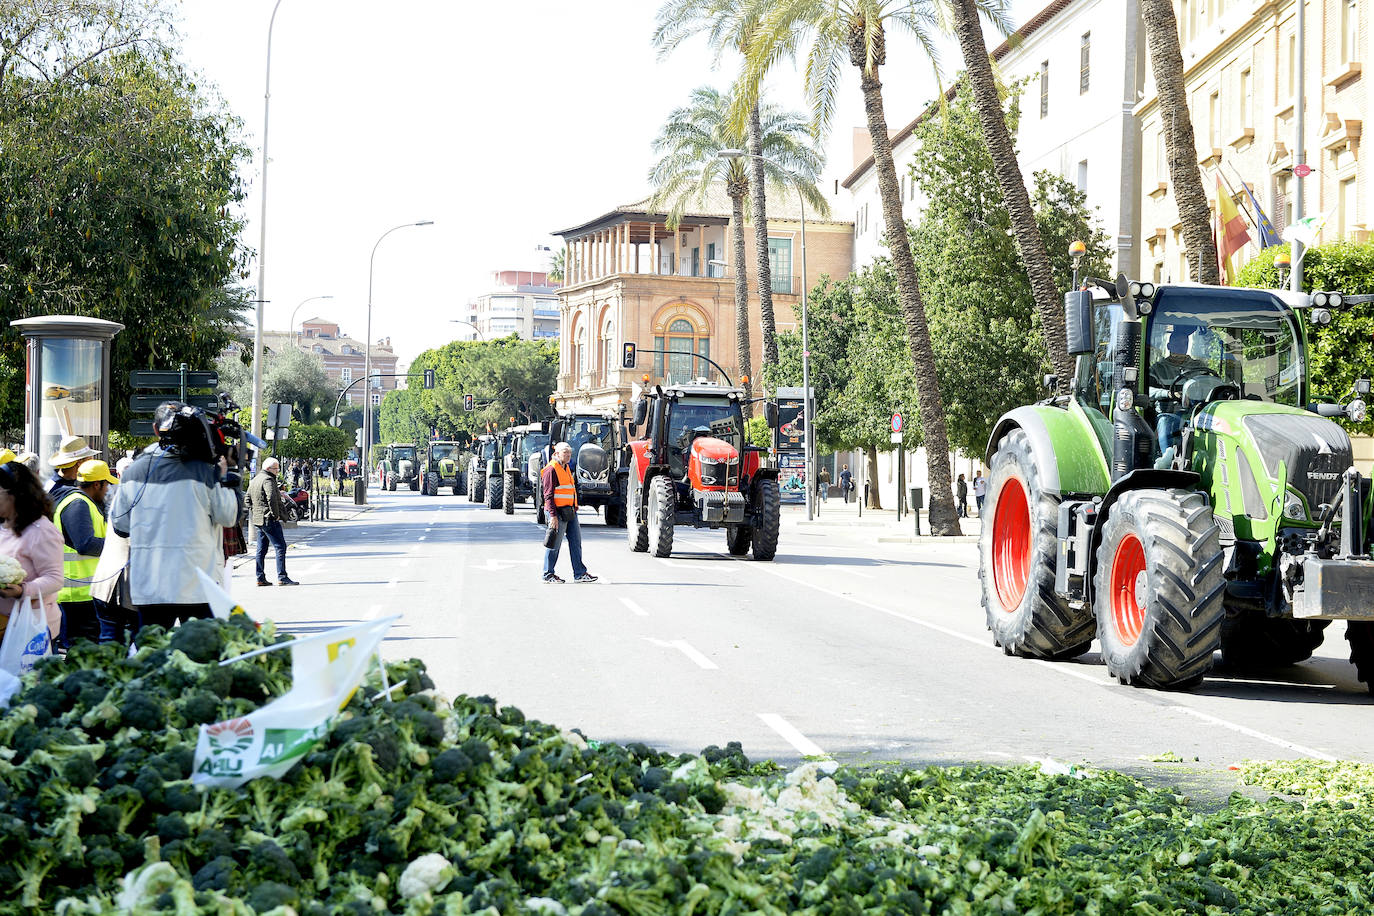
(1231, 232)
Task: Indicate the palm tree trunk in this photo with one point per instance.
(741, 295)
(1008, 170)
(758, 200)
(943, 518)
(1166, 60)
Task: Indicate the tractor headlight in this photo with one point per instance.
(1319, 299)
(1357, 410)
(1335, 300)
(1293, 508)
(1125, 399)
(1321, 317)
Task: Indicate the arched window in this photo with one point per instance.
(582, 352)
(607, 351)
(683, 339)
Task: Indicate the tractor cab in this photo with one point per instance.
(694, 467)
(598, 466)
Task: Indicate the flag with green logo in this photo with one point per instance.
(325, 670)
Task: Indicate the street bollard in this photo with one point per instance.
(359, 491)
(917, 493)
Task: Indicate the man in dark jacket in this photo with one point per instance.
(560, 507)
(265, 513)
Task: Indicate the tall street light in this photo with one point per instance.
(367, 349)
(808, 440)
(256, 420)
(476, 330)
(291, 329)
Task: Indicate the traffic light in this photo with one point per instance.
(429, 378)
(358, 437)
(467, 402)
(627, 359)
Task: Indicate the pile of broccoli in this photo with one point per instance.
(418, 806)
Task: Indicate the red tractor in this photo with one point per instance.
(693, 467)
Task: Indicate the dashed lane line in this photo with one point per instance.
(789, 733)
(634, 608)
(686, 649)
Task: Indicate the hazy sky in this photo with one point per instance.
(502, 122)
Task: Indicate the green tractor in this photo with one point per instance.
(495, 475)
(441, 465)
(528, 442)
(480, 453)
(399, 466)
(1185, 495)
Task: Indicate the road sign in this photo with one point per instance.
(171, 378)
(335, 422)
(896, 438)
(147, 403)
(896, 424)
(141, 428)
(1302, 170)
(279, 414)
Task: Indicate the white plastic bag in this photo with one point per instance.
(26, 637)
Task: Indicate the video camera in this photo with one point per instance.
(194, 434)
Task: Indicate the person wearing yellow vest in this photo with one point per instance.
(80, 516)
(560, 506)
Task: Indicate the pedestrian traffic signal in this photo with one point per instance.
(467, 402)
(627, 359)
(358, 437)
(429, 378)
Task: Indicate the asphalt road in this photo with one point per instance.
(840, 647)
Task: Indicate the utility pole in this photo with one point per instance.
(1299, 152)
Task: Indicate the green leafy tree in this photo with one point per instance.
(316, 440)
(298, 378)
(1342, 351)
(121, 189)
(404, 418)
(507, 377)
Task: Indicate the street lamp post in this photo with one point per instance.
(476, 330)
(808, 439)
(291, 329)
(256, 418)
(367, 348)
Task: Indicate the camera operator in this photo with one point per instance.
(172, 504)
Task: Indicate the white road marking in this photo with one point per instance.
(686, 649)
(405, 561)
(1058, 668)
(311, 570)
(788, 732)
(391, 584)
(495, 565)
(638, 611)
(373, 612)
(415, 548)
(422, 537)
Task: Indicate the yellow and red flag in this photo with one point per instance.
(1232, 235)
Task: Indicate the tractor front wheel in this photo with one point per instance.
(432, 485)
(636, 532)
(459, 483)
(737, 539)
(662, 513)
(1360, 635)
(1017, 554)
(472, 487)
(1254, 641)
(494, 490)
(768, 499)
(1158, 589)
(414, 484)
(508, 497)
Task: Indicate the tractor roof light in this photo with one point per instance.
(1319, 299)
(1321, 316)
(1335, 300)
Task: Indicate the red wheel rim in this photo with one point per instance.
(1128, 589)
(1011, 544)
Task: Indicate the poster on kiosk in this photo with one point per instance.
(789, 444)
(67, 384)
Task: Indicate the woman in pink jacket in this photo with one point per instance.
(28, 534)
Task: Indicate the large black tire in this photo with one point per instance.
(1017, 554)
(737, 539)
(414, 484)
(508, 496)
(765, 534)
(460, 483)
(1360, 634)
(1158, 589)
(541, 518)
(1254, 641)
(662, 513)
(431, 484)
(391, 482)
(494, 491)
(636, 532)
(471, 486)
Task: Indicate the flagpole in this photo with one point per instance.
(1299, 152)
(1254, 224)
(296, 641)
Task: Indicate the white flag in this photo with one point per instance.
(1304, 230)
(221, 605)
(325, 670)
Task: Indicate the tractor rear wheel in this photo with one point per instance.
(1158, 588)
(432, 485)
(769, 502)
(508, 497)
(414, 484)
(737, 539)
(459, 483)
(1017, 554)
(636, 532)
(1360, 634)
(494, 490)
(662, 511)
(1254, 641)
(472, 487)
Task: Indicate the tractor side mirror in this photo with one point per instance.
(1078, 321)
(641, 412)
(770, 414)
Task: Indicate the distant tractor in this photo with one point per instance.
(1186, 494)
(482, 451)
(693, 467)
(399, 466)
(495, 475)
(441, 466)
(527, 442)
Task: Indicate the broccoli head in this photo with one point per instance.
(200, 639)
(143, 711)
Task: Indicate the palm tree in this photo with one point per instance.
(730, 24)
(856, 30)
(978, 69)
(558, 265)
(1166, 60)
(690, 166)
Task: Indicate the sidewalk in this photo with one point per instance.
(876, 525)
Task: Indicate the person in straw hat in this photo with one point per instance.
(65, 463)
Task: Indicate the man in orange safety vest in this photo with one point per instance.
(560, 506)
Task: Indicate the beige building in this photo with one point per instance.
(522, 302)
(1240, 67)
(631, 279)
(343, 356)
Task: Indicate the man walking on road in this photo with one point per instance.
(266, 512)
(846, 482)
(560, 506)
